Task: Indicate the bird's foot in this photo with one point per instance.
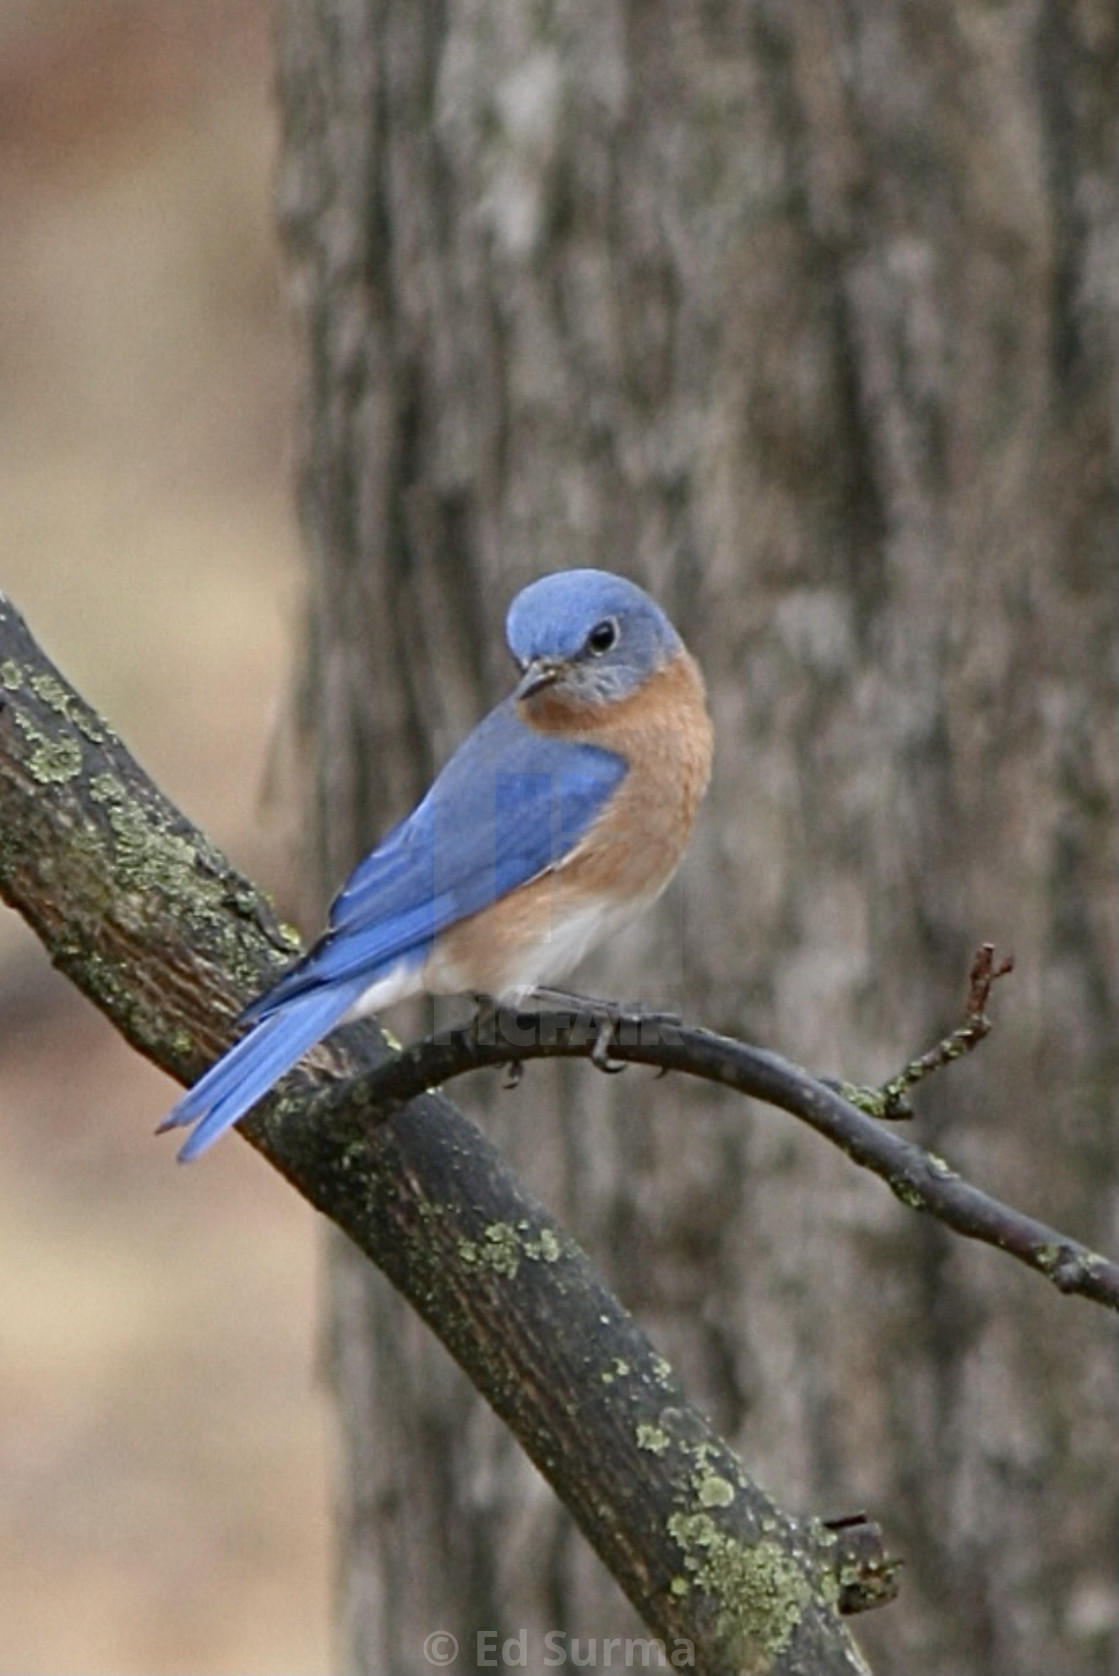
(605, 1024)
(633, 1014)
(614, 1023)
(603, 1042)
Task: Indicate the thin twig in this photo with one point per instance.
(919, 1178)
(890, 1102)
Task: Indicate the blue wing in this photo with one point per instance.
(509, 804)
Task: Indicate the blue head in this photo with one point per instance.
(587, 636)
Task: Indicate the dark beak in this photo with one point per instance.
(540, 673)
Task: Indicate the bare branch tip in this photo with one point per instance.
(983, 974)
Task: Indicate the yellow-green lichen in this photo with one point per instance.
(59, 698)
(180, 1043)
(872, 1101)
(11, 675)
(546, 1249)
(909, 1194)
(498, 1250)
(714, 1491)
(652, 1438)
(145, 855)
(759, 1590)
(50, 761)
(503, 1246)
(618, 1369)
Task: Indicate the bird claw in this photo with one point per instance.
(600, 1053)
(605, 1020)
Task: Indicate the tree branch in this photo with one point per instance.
(920, 1179)
(152, 922)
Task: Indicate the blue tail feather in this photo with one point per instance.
(233, 1085)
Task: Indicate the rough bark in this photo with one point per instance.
(803, 316)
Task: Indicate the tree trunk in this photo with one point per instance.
(803, 317)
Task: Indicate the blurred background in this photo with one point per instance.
(162, 1474)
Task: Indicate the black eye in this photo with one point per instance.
(602, 637)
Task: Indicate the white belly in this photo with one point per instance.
(543, 959)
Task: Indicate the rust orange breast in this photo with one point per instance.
(664, 733)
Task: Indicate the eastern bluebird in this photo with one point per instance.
(553, 824)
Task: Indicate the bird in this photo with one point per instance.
(557, 820)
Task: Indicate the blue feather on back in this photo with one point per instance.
(509, 804)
